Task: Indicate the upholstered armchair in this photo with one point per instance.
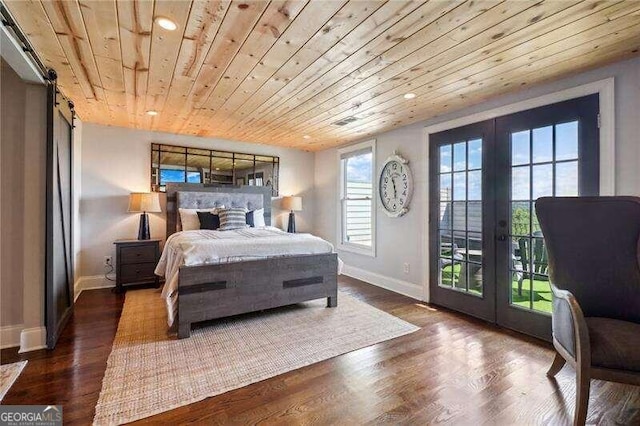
(594, 271)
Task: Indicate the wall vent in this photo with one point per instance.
(345, 121)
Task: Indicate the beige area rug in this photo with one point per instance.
(8, 375)
(149, 371)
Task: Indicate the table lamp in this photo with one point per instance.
(292, 204)
(143, 202)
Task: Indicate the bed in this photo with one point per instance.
(213, 274)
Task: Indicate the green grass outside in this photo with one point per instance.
(541, 290)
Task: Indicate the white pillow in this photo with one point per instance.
(258, 218)
(189, 217)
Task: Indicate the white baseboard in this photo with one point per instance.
(399, 286)
(91, 282)
(32, 339)
(10, 336)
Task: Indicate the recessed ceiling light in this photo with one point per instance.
(217, 168)
(166, 23)
(409, 95)
(306, 137)
(152, 113)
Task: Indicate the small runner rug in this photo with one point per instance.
(149, 371)
(8, 375)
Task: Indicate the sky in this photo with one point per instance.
(359, 168)
(170, 175)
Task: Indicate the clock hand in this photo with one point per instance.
(395, 192)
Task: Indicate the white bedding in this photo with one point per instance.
(201, 247)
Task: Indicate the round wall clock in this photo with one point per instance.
(396, 186)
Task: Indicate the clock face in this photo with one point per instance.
(395, 187)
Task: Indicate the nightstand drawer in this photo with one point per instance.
(137, 254)
(137, 272)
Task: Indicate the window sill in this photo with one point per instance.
(353, 248)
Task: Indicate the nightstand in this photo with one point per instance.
(135, 262)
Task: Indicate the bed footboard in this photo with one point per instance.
(216, 291)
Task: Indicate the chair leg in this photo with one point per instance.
(558, 363)
(583, 383)
(520, 279)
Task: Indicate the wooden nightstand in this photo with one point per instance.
(135, 262)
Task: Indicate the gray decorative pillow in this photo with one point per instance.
(234, 218)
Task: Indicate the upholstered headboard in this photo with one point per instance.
(204, 196)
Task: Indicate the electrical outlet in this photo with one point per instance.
(407, 268)
(108, 261)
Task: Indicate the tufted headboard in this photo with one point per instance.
(204, 196)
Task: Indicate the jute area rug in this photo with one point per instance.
(149, 371)
(8, 375)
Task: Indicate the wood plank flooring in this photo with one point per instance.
(455, 370)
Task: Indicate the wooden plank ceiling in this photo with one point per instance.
(283, 72)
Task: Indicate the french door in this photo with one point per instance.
(461, 220)
(488, 256)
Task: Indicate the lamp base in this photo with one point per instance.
(143, 229)
(292, 223)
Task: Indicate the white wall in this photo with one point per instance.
(13, 91)
(22, 228)
(116, 161)
(77, 192)
(35, 207)
(404, 240)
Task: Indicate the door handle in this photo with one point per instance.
(502, 237)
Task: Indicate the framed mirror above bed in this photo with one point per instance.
(181, 164)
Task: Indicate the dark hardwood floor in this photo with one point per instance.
(455, 370)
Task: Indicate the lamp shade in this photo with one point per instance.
(144, 202)
(292, 203)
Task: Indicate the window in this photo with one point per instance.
(357, 195)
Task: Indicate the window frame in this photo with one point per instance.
(341, 200)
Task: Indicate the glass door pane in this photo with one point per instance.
(460, 223)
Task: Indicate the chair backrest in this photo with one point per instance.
(592, 243)
(540, 257)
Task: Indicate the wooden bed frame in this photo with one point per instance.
(215, 291)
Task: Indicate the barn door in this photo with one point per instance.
(59, 258)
